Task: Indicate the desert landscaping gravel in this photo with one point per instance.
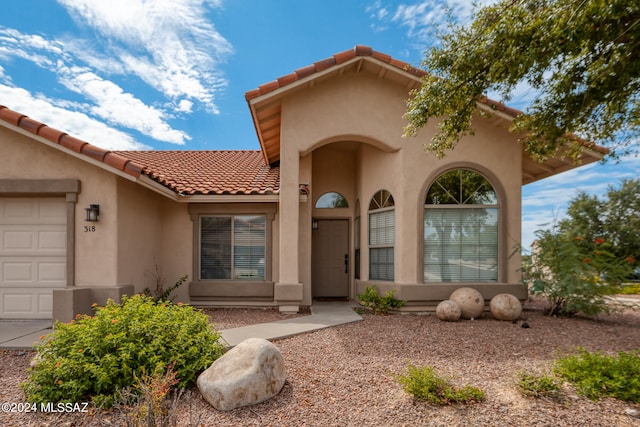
(344, 376)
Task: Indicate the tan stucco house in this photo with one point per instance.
(334, 201)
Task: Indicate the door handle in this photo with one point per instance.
(346, 263)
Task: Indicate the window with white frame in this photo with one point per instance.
(382, 236)
(461, 229)
(232, 247)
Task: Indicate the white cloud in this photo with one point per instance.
(169, 44)
(425, 18)
(104, 98)
(78, 124)
(118, 107)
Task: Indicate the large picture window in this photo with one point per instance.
(232, 247)
(461, 229)
(382, 236)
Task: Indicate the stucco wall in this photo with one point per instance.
(351, 126)
(95, 248)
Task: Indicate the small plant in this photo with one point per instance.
(424, 384)
(160, 293)
(538, 386)
(597, 375)
(379, 304)
(151, 401)
(93, 357)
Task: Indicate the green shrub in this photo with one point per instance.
(630, 290)
(537, 385)
(424, 384)
(574, 276)
(379, 304)
(596, 375)
(95, 356)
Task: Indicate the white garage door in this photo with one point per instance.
(32, 255)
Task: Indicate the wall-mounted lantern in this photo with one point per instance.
(314, 223)
(93, 212)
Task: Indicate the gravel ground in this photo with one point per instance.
(344, 376)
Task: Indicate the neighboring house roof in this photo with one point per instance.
(184, 172)
(265, 104)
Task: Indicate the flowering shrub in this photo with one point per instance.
(575, 275)
(93, 357)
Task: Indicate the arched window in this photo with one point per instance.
(382, 236)
(461, 229)
(331, 200)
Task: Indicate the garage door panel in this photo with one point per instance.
(32, 211)
(16, 271)
(17, 304)
(29, 271)
(33, 242)
(18, 240)
(52, 273)
(52, 240)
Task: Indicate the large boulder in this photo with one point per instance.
(249, 373)
(448, 311)
(470, 301)
(505, 307)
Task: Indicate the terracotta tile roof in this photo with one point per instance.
(185, 172)
(344, 56)
(322, 65)
(209, 172)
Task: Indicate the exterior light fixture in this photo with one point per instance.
(93, 211)
(314, 223)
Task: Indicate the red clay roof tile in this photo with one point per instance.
(51, 134)
(30, 125)
(10, 116)
(72, 143)
(209, 172)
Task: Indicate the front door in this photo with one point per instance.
(330, 269)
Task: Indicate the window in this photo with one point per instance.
(461, 229)
(331, 200)
(382, 236)
(232, 247)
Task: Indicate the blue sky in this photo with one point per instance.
(171, 74)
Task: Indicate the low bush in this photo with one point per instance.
(597, 375)
(630, 290)
(379, 304)
(94, 357)
(539, 386)
(426, 385)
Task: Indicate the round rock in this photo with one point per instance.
(448, 311)
(470, 301)
(505, 307)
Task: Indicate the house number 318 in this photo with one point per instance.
(89, 228)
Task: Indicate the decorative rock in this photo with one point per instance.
(470, 301)
(505, 307)
(249, 373)
(448, 311)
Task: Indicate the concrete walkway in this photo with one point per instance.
(323, 315)
(22, 334)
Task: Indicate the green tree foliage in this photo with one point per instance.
(581, 56)
(614, 218)
(588, 255)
